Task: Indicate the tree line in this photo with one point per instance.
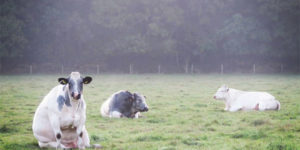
(174, 33)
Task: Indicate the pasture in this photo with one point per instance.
(182, 115)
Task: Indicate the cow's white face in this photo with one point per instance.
(222, 93)
(75, 84)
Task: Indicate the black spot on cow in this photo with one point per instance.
(67, 99)
(58, 135)
(61, 100)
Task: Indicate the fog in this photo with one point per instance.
(157, 36)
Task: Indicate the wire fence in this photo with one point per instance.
(154, 69)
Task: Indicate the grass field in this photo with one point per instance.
(182, 115)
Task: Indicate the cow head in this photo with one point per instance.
(222, 93)
(74, 83)
(139, 102)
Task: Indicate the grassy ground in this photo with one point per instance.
(183, 114)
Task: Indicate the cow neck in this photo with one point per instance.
(233, 94)
(229, 97)
(130, 101)
(132, 109)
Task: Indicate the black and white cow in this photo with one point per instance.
(59, 121)
(124, 104)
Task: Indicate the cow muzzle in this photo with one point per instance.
(145, 109)
(76, 96)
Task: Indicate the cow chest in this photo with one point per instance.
(70, 117)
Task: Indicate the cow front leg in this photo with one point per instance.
(235, 108)
(85, 137)
(79, 131)
(115, 114)
(54, 121)
(137, 115)
(227, 106)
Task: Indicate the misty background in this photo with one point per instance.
(170, 36)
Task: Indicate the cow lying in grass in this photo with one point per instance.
(59, 121)
(124, 104)
(241, 100)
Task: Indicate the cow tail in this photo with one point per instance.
(278, 105)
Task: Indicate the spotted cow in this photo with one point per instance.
(59, 121)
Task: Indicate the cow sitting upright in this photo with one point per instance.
(59, 121)
(124, 104)
(241, 100)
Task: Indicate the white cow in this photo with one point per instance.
(241, 100)
(59, 121)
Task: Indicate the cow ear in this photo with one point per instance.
(87, 80)
(63, 81)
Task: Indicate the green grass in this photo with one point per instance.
(182, 115)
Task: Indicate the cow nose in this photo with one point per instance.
(146, 109)
(75, 95)
(215, 97)
(78, 96)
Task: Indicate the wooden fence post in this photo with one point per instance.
(97, 69)
(192, 68)
(187, 68)
(62, 69)
(130, 69)
(222, 68)
(30, 69)
(159, 69)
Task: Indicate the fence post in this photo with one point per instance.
(192, 68)
(130, 69)
(222, 68)
(97, 69)
(281, 68)
(30, 69)
(187, 68)
(158, 69)
(62, 69)
(254, 69)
